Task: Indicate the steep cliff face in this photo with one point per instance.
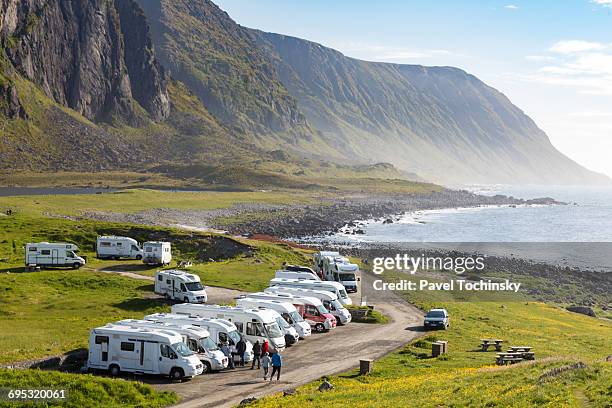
(216, 58)
(75, 50)
(439, 122)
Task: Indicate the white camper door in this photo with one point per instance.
(148, 354)
(54, 257)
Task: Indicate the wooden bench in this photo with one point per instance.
(486, 343)
(519, 349)
(508, 358)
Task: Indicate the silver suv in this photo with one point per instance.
(436, 318)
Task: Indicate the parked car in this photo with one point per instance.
(436, 318)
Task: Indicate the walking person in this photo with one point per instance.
(277, 363)
(266, 347)
(227, 352)
(265, 363)
(241, 349)
(256, 355)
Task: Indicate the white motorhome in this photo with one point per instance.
(340, 269)
(220, 330)
(52, 254)
(119, 348)
(180, 285)
(320, 256)
(196, 338)
(157, 253)
(296, 275)
(329, 300)
(112, 247)
(334, 287)
(284, 320)
(310, 308)
(252, 324)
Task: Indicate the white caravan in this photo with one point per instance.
(296, 275)
(180, 285)
(196, 338)
(52, 254)
(329, 300)
(220, 330)
(310, 308)
(252, 324)
(334, 287)
(284, 320)
(111, 247)
(144, 351)
(157, 253)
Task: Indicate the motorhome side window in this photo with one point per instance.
(239, 326)
(119, 244)
(33, 249)
(105, 244)
(193, 345)
(45, 252)
(287, 318)
(101, 339)
(168, 282)
(134, 248)
(183, 288)
(126, 346)
(222, 337)
(165, 351)
(149, 249)
(160, 278)
(311, 310)
(253, 329)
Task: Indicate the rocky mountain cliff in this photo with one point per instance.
(439, 122)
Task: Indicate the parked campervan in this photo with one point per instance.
(298, 268)
(52, 254)
(329, 300)
(334, 287)
(310, 308)
(291, 315)
(144, 351)
(296, 275)
(111, 247)
(282, 309)
(180, 285)
(220, 330)
(320, 256)
(252, 324)
(196, 338)
(157, 253)
(340, 269)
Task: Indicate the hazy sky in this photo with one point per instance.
(552, 58)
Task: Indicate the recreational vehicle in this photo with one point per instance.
(285, 274)
(329, 300)
(144, 351)
(252, 324)
(220, 330)
(291, 334)
(157, 253)
(310, 308)
(334, 287)
(111, 247)
(196, 338)
(180, 285)
(339, 269)
(52, 254)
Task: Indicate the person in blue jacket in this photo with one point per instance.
(277, 363)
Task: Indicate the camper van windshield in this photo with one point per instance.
(347, 277)
(234, 336)
(337, 305)
(194, 286)
(208, 345)
(273, 330)
(296, 317)
(282, 322)
(322, 309)
(182, 349)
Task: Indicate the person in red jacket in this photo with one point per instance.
(265, 348)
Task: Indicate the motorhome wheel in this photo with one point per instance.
(138, 257)
(76, 265)
(176, 374)
(114, 370)
(320, 327)
(206, 367)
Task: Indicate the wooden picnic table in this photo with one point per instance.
(508, 358)
(491, 342)
(520, 348)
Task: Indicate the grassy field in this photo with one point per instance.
(468, 377)
(85, 390)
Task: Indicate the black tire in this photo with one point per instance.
(177, 374)
(114, 370)
(206, 368)
(138, 257)
(320, 327)
(76, 265)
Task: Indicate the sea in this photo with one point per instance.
(576, 234)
